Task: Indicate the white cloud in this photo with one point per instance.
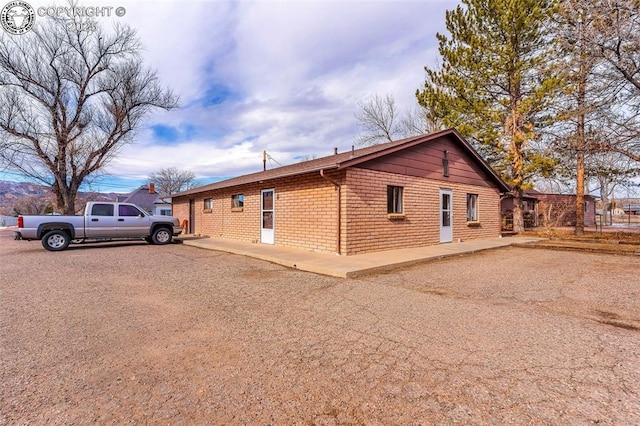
(289, 75)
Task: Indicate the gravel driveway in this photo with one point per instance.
(120, 333)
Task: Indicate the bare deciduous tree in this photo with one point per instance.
(381, 121)
(553, 215)
(70, 99)
(31, 204)
(617, 42)
(595, 109)
(584, 94)
(610, 171)
(416, 122)
(170, 180)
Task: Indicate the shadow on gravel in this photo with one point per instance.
(109, 244)
(611, 318)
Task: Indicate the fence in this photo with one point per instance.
(8, 221)
(507, 220)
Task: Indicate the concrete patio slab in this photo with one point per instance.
(350, 266)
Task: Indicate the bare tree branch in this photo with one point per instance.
(379, 119)
(170, 180)
(70, 99)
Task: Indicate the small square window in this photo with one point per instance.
(208, 203)
(237, 201)
(472, 207)
(394, 199)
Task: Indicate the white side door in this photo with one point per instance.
(446, 216)
(267, 217)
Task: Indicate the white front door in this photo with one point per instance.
(446, 216)
(267, 227)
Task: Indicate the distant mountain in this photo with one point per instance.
(10, 192)
(18, 189)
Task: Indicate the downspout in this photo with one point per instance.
(339, 189)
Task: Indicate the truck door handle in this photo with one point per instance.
(94, 220)
(120, 220)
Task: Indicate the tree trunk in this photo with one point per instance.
(579, 229)
(514, 128)
(65, 198)
(518, 216)
(604, 195)
(581, 140)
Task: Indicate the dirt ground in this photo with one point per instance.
(135, 333)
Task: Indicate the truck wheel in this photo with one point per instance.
(56, 240)
(161, 236)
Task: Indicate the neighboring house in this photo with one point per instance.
(562, 208)
(555, 209)
(414, 192)
(147, 198)
(529, 209)
(634, 209)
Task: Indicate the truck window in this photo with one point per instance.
(125, 210)
(102, 210)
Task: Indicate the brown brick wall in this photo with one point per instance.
(370, 229)
(181, 210)
(305, 212)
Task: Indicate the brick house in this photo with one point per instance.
(419, 191)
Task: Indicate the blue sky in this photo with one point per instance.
(280, 76)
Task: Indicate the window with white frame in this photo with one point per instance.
(394, 199)
(208, 203)
(472, 207)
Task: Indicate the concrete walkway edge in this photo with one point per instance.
(350, 266)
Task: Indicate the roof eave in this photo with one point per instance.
(257, 178)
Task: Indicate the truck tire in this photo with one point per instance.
(161, 236)
(56, 240)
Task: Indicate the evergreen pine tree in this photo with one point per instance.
(494, 84)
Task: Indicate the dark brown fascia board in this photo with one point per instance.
(427, 138)
(294, 170)
(257, 177)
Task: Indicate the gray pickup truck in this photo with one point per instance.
(102, 221)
